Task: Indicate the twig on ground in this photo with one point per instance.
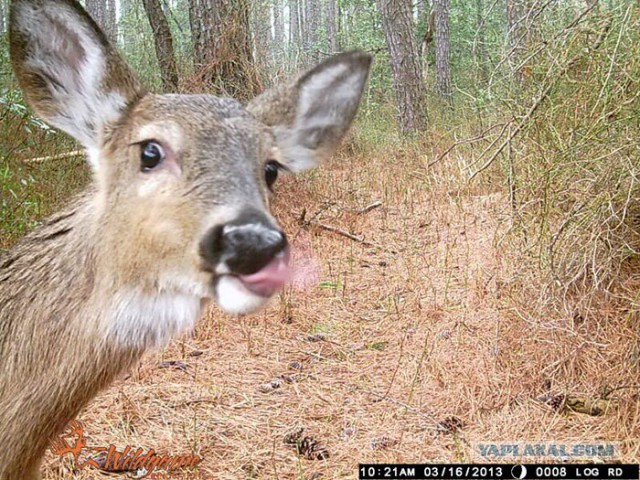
(344, 233)
(606, 395)
(368, 208)
(194, 401)
(303, 222)
(60, 156)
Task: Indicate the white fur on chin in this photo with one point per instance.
(234, 298)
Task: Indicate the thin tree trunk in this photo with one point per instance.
(427, 38)
(3, 27)
(278, 30)
(196, 14)
(303, 26)
(294, 24)
(443, 66)
(332, 25)
(294, 32)
(263, 46)
(516, 28)
(312, 22)
(126, 9)
(163, 43)
(278, 22)
(397, 24)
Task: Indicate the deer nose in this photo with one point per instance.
(245, 245)
(250, 247)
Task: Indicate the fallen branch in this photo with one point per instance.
(350, 236)
(368, 208)
(60, 156)
(303, 222)
(344, 233)
(195, 401)
(623, 387)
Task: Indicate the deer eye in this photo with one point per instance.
(271, 172)
(151, 155)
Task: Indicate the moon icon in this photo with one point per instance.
(519, 471)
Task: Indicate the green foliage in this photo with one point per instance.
(576, 161)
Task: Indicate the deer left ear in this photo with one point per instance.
(70, 74)
(311, 116)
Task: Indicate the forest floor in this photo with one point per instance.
(412, 346)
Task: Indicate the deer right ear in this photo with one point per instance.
(70, 74)
(311, 115)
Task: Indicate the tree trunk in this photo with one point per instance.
(304, 28)
(163, 43)
(427, 38)
(332, 25)
(443, 66)
(278, 31)
(312, 31)
(111, 27)
(294, 31)
(98, 11)
(126, 9)
(104, 13)
(397, 24)
(195, 26)
(222, 47)
(3, 27)
(278, 22)
(263, 47)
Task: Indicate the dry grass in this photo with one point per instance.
(441, 322)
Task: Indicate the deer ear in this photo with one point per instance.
(311, 116)
(70, 74)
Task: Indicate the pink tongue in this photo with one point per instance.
(270, 279)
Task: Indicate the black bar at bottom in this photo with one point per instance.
(384, 471)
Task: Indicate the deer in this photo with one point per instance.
(176, 215)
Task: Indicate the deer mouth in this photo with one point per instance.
(242, 293)
(269, 279)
